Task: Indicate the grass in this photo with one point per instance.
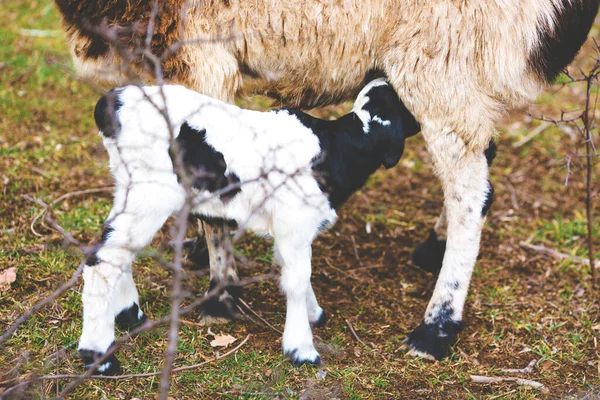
(521, 306)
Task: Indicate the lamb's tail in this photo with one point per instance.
(106, 113)
(147, 108)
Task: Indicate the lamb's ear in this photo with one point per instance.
(389, 142)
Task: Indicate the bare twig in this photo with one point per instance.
(176, 297)
(558, 255)
(541, 128)
(60, 352)
(526, 370)
(120, 377)
(520, 381)
(353, 332)
(137, 54)
(41, 304)
(469, 358)
(147, 326)
(52, 221)
(258, 315)
(365, 268)
(64, 197)
(513, 193)
(584, 124)
(588, 149)
(356, 250)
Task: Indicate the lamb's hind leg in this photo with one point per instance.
(316, 315)
(128, 314)
(430, 254)
(108, 291)
(222, 270)
(216, 74)
(464, 175)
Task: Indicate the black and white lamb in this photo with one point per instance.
(280, 173)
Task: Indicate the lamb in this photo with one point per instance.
(243, 168)
(457, 65)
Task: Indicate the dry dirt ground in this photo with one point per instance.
(522, 306)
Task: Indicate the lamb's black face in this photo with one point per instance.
(383, 102)
(386, 121)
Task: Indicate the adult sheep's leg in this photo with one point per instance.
(430, 254)
(109, 293)
(464, 175)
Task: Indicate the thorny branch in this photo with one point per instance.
(146, 327)
(176, 298)
(132, 376)
(59, 291)
(584, 122)
(141, 58)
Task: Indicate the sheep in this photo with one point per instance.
(243, 168)
(456, 64)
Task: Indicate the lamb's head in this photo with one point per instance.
(385, 120)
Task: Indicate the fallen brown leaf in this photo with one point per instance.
(222, 340)
(8, 276)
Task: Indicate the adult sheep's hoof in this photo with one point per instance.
(432, 341)
(429, 255)
(110, 366)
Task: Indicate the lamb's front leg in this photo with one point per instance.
(108, 291)
(294, 259)
(464, 176)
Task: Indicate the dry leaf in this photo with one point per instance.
(8, 276)
(222, 340)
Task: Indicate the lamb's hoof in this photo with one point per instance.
(130, 318)
(300, 357)
(429, 255)
(110, 366)
(320, 321)
(432, 341)
(222, 308)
